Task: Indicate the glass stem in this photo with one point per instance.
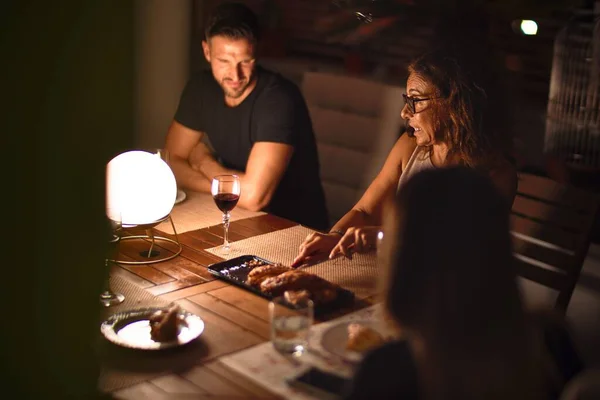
(107, 294)
(226, 217)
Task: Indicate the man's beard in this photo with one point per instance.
(237, 93)
(234, 93)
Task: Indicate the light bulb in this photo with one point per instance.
(141, 186)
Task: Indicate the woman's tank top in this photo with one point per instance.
(420, 160)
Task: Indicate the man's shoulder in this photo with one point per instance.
(276, 85)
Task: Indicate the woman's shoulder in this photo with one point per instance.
(386, 372)
(404, 148)
(397, 349)
(406, 143)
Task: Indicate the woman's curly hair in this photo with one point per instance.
(466, 117)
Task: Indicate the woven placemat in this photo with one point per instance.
(121, 367)
(199, 211)
(358, 275)
(268, 368)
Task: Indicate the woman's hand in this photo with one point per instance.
(358, 240)
(316, 247)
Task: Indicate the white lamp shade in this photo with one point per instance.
(141, 186)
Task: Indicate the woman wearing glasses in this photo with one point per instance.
(450, 121)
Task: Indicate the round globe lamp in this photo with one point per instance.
(143, 189)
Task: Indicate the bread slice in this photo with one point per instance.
(362, 338)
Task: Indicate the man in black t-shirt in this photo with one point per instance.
(257, 122)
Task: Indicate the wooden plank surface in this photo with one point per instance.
(554, 192)
(244, 300)
(175, 285)
(233, 314)
(558, 259)
(193, 290)
(235, 318)
(545, 233)
(563, 217)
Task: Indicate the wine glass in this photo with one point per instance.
(226, 191)
(108, 298)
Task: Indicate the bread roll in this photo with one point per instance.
(259, 274)
(294, 280)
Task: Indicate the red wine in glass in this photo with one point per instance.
(226, 201)
(226, 190)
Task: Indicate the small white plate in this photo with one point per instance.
(132, 329)
(181, 196)
(335, 338)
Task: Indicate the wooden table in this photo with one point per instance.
(235, 319)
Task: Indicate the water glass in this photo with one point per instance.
(290, 325)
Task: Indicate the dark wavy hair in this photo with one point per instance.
(234, 21)
(451, 282)
(469, 111)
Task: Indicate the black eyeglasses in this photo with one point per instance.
(411, 102)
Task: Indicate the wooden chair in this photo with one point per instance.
(551, 227)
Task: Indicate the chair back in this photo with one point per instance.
(551, 225)
(356, 123)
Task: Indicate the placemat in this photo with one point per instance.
(199, 211)
(358, 275)
(121, 367)
(267, 367)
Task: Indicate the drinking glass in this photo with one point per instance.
(290, 325)
(108, 298)
(226, 191)
(164, 155)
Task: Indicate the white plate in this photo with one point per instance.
(180, 196)
(335, 338)
(132, 329)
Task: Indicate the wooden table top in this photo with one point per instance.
(235, 318)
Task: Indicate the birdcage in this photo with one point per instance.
(573, 118)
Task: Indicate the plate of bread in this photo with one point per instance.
(351, 340)
(270, 280)
(153, 328)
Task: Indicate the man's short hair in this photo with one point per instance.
(234, 21)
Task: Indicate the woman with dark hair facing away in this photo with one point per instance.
(450, 288)
(451, 120)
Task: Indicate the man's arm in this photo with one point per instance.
(266, 165)
(180, 142)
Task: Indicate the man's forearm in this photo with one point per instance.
(202, 160)
(210, 168)
(189, 178)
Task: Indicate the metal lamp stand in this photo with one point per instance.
(154, 239)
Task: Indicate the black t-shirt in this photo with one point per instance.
(274, 111)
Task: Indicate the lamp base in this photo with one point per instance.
(152, 255)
